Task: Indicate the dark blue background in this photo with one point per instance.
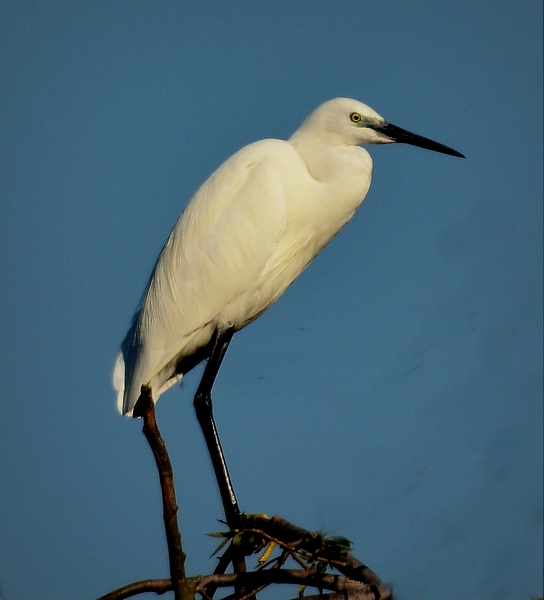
(393, 395)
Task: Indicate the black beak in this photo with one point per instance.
(397, 134)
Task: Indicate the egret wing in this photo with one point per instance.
(215, 253)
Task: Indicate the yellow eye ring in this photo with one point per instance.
(355, 117)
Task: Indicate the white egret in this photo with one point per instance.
(247, 233)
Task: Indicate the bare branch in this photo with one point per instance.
(159, 586)
(366, 595)
(353, 590)
(145, 408)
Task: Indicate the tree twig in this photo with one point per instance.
(311, 550)
(297, 538)
(365, 595)
(159, 586)
(349, 588)
(145, 408)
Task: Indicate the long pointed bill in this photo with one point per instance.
(397, 134)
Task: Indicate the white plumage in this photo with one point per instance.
(247, 233)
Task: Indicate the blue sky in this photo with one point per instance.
(393, 395)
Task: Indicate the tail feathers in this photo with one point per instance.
(127, 395)
(119, 384)
(127, 391)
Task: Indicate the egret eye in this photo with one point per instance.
(355, 117)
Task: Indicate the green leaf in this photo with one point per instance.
(345, 545)
(221, 545)
(220, 534)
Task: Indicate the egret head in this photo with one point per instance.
(343, 121)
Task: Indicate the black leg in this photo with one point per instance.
(204, 413)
